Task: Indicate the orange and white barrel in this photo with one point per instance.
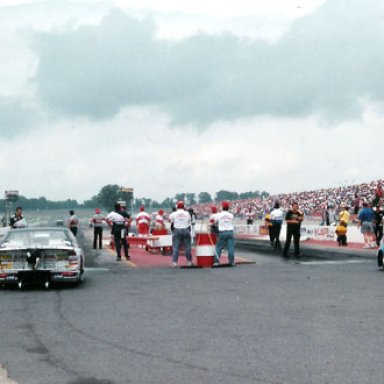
(205, 249)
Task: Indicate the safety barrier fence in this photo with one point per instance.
(308, 232)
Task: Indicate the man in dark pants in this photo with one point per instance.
(97, 222)
(73, 222)
(293, 218)
(378, 222)
(118, 220)
(277, 216)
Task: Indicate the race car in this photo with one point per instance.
(40, 255)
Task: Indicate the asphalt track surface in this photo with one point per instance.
(317, 320)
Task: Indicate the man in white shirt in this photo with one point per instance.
(159, 220)
(277, 217)
(118, 219)
(181, 223)
(97, 223)
(224, 220)
(17, 220)
(142, 222)
(73, 222)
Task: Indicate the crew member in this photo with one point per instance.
(17, 220)
(224, 219)
(73, 222)
(181, 223)
(97, 223)
(214, 229)
(378, 222)
(159, 220)
(193, 222)
(277, 216)
(268, 226)
(142, 222)
(250, 215)
(118, 220)
(293, 218)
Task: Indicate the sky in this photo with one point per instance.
(168, 96)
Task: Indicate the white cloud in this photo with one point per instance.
(316, 68)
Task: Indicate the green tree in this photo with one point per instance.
(264, 194)
(204, 197)
(108, 196)
(190, 198)
(249, 195)
(167, 204)
(180, 196)
(147, 203)
(226, 195)
(92, 203)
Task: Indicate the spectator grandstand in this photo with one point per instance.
(313, 203)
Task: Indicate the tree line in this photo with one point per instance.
(109, 194)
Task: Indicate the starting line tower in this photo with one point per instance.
(11, 197)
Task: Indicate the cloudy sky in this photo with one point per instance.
(170, 96)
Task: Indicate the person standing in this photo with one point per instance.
(344, 213)
(249, 215)
(378, 222)
(331, 214)
(97, 223)
(378, 194)
(365, 222)
(214, 229)
(181, 234)
(341, 232)
(277, 216)
(142, 222)
(118, 221)
(192, 212)
(73, 222)
(159, 220)
(356, 205)
(17, 220)
(224, 219)
(293, 218)
(268, 226)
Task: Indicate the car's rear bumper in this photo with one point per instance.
(39, 276)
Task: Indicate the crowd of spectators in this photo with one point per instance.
(312, 203)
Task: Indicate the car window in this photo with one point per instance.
(37, 238)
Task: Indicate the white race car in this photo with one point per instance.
(40, 255)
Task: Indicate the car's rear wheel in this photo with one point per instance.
(81, 276)
(380, 261)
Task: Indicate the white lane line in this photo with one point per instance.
(4, 377)
(93, 269)
(335, 262)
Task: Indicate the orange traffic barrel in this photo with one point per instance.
(205, 249)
